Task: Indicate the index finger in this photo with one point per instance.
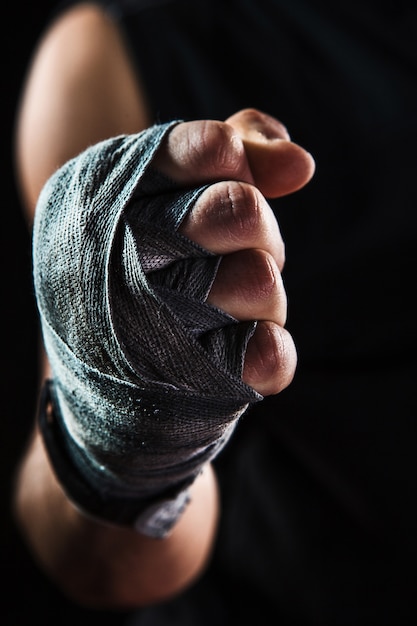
(203, 151)
(250, 146)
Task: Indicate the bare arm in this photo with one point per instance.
(104, 566)
(80, 90)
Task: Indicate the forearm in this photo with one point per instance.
(99, 565)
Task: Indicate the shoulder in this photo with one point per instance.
(83, 47)
(81, 88)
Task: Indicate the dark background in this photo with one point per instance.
(27, 596)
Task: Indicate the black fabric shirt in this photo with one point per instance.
(318, 483)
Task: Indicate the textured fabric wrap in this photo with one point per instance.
(147, 375)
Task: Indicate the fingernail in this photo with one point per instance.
(259, 126)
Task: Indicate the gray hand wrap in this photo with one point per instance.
(147, 375)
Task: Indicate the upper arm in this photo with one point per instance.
(80, 89)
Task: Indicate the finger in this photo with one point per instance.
(249, 286)
(232, 216)
(271, 359)
(203, 151)
(278, 165)
(250, 146)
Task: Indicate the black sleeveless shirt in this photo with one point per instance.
(318, 484)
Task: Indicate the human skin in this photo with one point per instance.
(81, 89)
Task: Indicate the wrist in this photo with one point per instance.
(153, 515)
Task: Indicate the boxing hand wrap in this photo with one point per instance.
(147, 383)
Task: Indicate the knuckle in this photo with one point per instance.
(270, 359)
(249, 286)
(232, 212)
(272, 353)
(254, 281)
(262, 275)
(217, 148)
(242, 210)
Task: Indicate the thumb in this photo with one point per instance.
(278, 165)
